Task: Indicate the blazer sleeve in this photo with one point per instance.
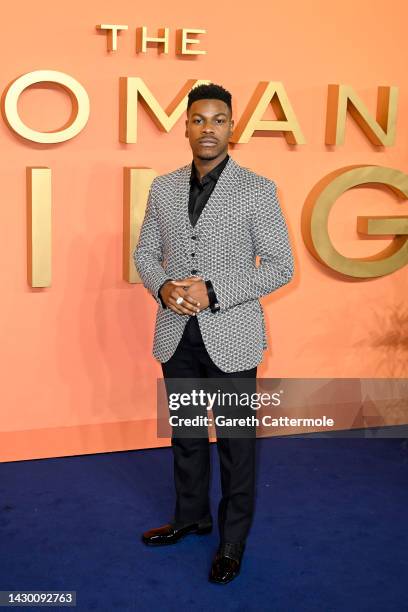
(271, 242)
(148, 255)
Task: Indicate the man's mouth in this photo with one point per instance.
(208, 142)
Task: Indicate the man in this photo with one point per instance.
(203, 227)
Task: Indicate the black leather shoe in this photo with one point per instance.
(170, 534)
(227, 562)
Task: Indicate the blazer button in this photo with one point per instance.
(193, 271)
(193, 237)
(192, 254)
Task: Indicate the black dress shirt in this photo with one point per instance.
(200, 192)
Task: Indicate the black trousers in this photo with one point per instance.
(191, 456)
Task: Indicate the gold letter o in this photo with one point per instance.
(77, 93)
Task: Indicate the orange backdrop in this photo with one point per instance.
(77, 374)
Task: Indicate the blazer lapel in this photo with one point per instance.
(214, 204)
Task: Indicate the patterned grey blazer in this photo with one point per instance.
(241, 219)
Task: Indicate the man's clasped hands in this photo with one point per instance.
(193, 291)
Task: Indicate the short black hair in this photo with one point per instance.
(209, 91)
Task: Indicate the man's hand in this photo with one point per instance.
(194, 299)
(195, 289)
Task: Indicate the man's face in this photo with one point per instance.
(209, 127)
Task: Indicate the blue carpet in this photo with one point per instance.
(330, 530)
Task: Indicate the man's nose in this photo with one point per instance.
(207, 127)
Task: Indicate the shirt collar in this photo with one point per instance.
(212, 175)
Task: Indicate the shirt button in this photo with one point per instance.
(192, 254)
(193, 237)
(193, 271)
